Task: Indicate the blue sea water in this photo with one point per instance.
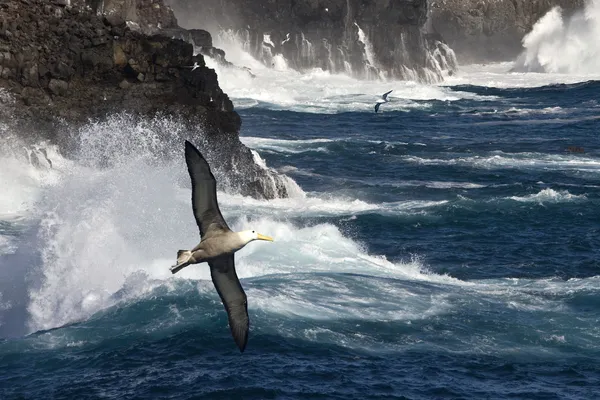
(446, 247)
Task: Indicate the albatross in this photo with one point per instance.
(217, 245)
(382, 100)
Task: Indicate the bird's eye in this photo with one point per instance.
(253, 232)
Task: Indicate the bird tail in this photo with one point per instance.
(183, 257)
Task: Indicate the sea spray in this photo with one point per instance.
(243, 52)
(560, 44)
(109, 225)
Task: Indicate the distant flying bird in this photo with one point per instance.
(382, 100)
(193, 67)
(217, 246)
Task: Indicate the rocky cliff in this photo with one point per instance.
(65, 63)
(367, 39)
(489, 30)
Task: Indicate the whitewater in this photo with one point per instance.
(446, 247)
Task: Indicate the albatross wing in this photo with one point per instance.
(222, 271)
(377, 107)
(384, 96)
(204, 192)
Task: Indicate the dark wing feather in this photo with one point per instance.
(204, 192)
(385, 94)
(377, 107)
(222, 270)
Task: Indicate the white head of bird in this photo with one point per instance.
(250, 235)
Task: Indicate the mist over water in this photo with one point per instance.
(560, 44)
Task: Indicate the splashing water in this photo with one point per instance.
(315, 90)
(243, 53)
(362, 37)
(563, 45)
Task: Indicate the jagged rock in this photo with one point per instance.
(489, 30)
(68, 68)
(114, 19)
(147, 15)
(124, 84)
(359, 37)
(58, 87)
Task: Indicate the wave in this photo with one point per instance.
(516, 160)
(79, 227)
(559, 44)
(319, 205)
(318, 91)
(320, 145)
(352, 310)
(515, 111)
(106, 225)
(286, 146)
(549, 195)
(485, 79)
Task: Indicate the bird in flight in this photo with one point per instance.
(193, 67)
(217, 245)
(382, 100)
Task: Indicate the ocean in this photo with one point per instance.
(445, 247)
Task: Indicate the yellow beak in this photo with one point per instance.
(263, 237)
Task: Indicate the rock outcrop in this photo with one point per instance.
(146, 16)
(64, 64)
(489, 30)
(365, 38)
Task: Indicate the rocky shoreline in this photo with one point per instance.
(365, 39)
(66, 63)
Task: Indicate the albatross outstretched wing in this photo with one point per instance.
(222, 270)
(204, 192)
(384, 96)
(377, 106)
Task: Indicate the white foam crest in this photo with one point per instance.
(517, 160)
(501, 75)
(323, 249)
(285, 146)
(326, 297)
(311, 205)
(319, 248)
(524, 111)
(433, 184)
(564, 45)
(550, 196)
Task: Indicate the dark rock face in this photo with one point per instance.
(489, 30)
(365, 38)
(201, 40)
(65, 65)
(146, 16)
